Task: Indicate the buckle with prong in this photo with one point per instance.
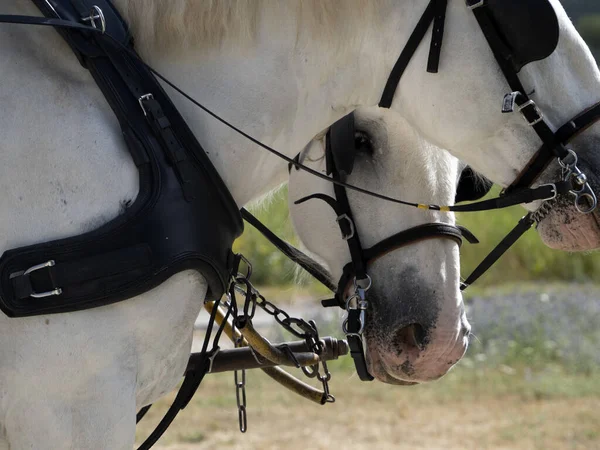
(96, 15)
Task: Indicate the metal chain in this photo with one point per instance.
(326, 377)
(240, 392)
(297, 327)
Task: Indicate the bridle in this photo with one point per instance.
(573, 181)
(355, 272)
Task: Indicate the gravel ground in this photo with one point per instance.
(560, 321)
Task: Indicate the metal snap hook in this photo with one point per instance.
(578, 181)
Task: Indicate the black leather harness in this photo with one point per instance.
(182, 198)
(183, 218)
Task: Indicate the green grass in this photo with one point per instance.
(528, 260)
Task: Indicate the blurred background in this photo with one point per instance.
(531, 377)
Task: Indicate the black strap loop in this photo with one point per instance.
(408, 52)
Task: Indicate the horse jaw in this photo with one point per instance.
(416, 330)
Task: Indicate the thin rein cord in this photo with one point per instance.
(525, 196)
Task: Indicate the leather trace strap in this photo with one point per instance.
(508, 241)
(191, 382)
(306, 262)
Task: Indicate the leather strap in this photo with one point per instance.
(524, 225)
(437, 36)
(300, 258)
(435, 11)
(192, 380)
(355, 343)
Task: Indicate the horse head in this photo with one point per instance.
(415, 327)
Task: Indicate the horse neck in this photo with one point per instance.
(283, 91)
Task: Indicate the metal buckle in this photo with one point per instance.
(538, 111)
(475, 5)
(361, 328)
(554, 191)
(142, 98)
(352, 231)
(32, 269)
(358, 302)
(95, 14)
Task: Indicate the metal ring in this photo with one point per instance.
(584, 209)
(352, 297)
(358, 286)
(565, 165)
(345, 326)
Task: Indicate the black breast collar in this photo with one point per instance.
(183, 217)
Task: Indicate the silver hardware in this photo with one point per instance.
(589, 197)
(211, 359)
(142, 98)
(554, 191)
(32, 269)
(565, 164)
(360, 329)
(579, 179)
(358, 302)
(509, 101)
(538, 111)
(96, 14)
(351, 299)
(585, 198)
(240, 392)
(475, 5)
(351, 224)
(359, 284)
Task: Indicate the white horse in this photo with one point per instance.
(282, 72)
(416, 328)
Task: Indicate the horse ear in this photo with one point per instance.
(471, 186)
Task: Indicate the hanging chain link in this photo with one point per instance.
(297, 327)
(240, 392)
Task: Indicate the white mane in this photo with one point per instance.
(167, 24)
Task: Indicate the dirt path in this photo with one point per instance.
(374, 416)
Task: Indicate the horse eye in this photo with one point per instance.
(362, 143)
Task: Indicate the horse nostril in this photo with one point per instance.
(411, 337)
